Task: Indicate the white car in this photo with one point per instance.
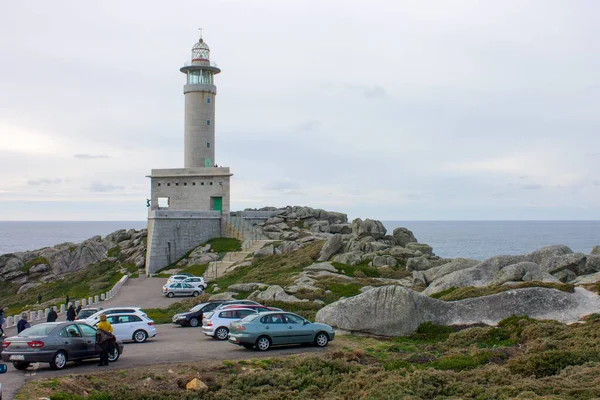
(94, 318)
(130, 326)
(177, 278)
(196, 281)
(216, 324)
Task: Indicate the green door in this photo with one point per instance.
(218, 204)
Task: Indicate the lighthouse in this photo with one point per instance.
(187, 205)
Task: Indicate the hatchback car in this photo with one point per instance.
(94, 318)
(258, 308)
(87, 312)
(178, 278)
(54, 343)
(181, 289)
(239, 303)
(216, 323)
(196, 281)
(278, 328)
(132, 327)
(194, 317)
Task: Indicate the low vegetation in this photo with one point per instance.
(454, 293)
(94, 280)
(519, 358)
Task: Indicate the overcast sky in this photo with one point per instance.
(395, 110)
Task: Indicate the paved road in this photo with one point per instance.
(173, 344)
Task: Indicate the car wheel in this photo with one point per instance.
(321, 339)
(140, 336)
(248, 346)
(170, 294)
(59, 360)
(193, 322)
(263, 343)
(196, 293)
(115, 355)
(21, 365)
(221, 333)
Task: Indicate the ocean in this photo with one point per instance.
(450, 239)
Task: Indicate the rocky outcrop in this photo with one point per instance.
(395, 310)
(247, 287)
(484, 273)
(595, 250)
(368, 227)
(331, 247)
(403, 236)
(30, 268)
(199, 256)
(275, 293)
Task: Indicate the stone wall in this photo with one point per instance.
(171, 234)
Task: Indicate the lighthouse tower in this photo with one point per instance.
(187, 204)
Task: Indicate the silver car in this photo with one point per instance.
(54, 343)
(180, 289)
(216, 323)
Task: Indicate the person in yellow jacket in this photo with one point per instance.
(105, 339)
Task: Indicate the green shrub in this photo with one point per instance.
(345, 290)
(461, 362)
(196, 269)
(430, 332)
(35, 261)
(114, 252)
(550, 362)
(351, 270)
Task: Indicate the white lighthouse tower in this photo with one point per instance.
(187, 204)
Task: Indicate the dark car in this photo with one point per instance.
(54, 343)
(193, 317)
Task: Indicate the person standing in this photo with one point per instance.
(77, 310)
(2, 322)
(39, 299)
(67, 301)
(23, 323)
(104, 337)
(71, 313)
(52, 315)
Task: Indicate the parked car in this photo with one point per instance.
(54, 343)
(185, 273)
(278, 328)
(196, 281)
(132, 327)
(193, 317)
(181, 289)
(178, 278)
(258, 308)
(240, 303)
(2, 371)
(94, 318)
(216, 323)
(87, 312)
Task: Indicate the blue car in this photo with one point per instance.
(278, 328)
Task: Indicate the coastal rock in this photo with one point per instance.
(39, 269)
(275, 293)
(396, 311)
(565, 275)
(28, 286)
(368, 227)
(265, 251)
(403, 236)
(11, 264)
(118, 236)
(574, 262)
(540, 256)
(322, 266)
(586, 279)
(401, 252)
(352, 258)
(592, 263)
(331, 247)
(340, 228)
(287, 247)
(380, 261)
(422, 247)
(595, 250)
(456, 264)
(247, 287)
(524, 271)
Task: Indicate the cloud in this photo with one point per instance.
(369, 92)
(532, 186)
(102, 188)
(43, 181)
(90, 156)
(596, 183)
(309, 125)
(284, 184)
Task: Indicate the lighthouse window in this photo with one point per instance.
(208, 145)
(201, 183)
(168, 184)
(211, 184)
(208, 122)
(159, 184)
(184, 183)
(208, 100)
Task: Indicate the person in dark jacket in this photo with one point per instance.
(39, 299)
(52, 315)
(23, 323)
(71, 313)
(78, 309)
(67, 301)
(2, 322)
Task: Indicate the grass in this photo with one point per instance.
(275, 269)
(454, 293)
(196, 270)
(224, 245)
(546, 359)
(94, 280)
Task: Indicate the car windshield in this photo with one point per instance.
(85, 313)
(38, 330)
(249, 318)
(197, 307)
